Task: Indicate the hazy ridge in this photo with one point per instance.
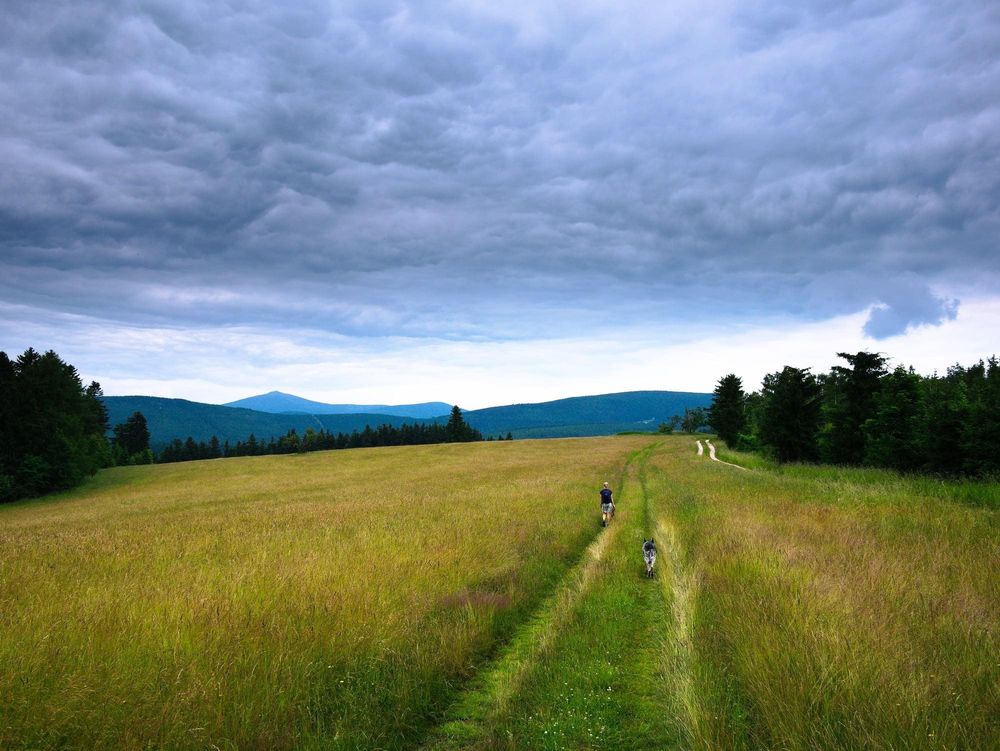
(602, 414)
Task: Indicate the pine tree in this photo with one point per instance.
(849, 400)
(132, 437)
(727, 415)
(892, 434)
(943, 421)
(8, 455)
(51, 427)
(456, 428)
(981, 434)
(790, 414)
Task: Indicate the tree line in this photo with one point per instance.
(456, 430)
(693, 420)
(864, 413)
(54, 431)
(52, 427)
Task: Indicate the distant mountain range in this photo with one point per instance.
(603, 414)
(279, 402)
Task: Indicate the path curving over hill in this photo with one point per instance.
(714, 458)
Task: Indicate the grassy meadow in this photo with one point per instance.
(323, 600)
(464, 596)
(835, 608)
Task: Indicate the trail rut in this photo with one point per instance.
(490, 694)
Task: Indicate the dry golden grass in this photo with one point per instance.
(332, 599)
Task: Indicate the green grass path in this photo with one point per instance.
(591, 669)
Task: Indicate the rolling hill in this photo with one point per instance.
(179, 418)
(279, 402)
(602, 414)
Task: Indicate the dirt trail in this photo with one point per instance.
(491, 693)
(714, 458)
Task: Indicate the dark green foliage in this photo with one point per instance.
(892, 433)
(981, 437)
(849, 400)
(458, 430)
(51, 427)
(694, 419)
(131, 441)
(790, 414)
(727, 415)
(941, 424)
(322, 440)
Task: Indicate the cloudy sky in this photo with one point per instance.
(482, 202)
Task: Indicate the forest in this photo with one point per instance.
(862, 412)
(54, 431)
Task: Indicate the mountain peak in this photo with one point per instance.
(279, 402)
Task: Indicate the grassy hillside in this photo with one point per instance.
(603, 414)
(464, 596)
(324, 600)
(804, 608)
(832, 608)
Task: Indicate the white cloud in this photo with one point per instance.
(223, 364)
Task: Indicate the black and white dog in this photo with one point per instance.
(649, 555)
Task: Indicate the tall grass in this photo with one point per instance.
(598, 683)
(344, 599)
(838, 608)
(331, 600)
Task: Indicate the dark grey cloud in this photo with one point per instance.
(904, 304)
(468, 170)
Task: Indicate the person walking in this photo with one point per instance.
(607, 505)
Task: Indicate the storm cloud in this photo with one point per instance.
(466, 170)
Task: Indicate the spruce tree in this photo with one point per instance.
(456, 428)
(727, 415)
(132, 437)
(892, 434)
(850, 396)
(51, 427)
(790, 414)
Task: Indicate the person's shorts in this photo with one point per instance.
(606, 508)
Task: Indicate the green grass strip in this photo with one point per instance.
(490, 695)
(589, 675)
